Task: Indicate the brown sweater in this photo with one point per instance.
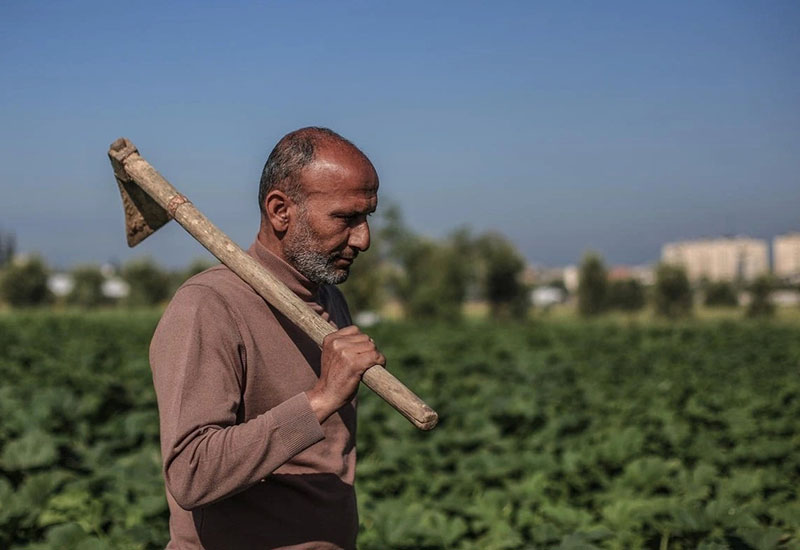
(246, 463)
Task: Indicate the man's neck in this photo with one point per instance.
(271, 242)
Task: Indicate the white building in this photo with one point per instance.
(544, 297)
(571, 276)
(722, 259)
(115, 288)
(60, 284)
(786, 256)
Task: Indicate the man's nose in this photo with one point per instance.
(359, 236)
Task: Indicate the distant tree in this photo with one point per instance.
(397, 240)
(8, 247)
(177, 278)
(626, 295)
(720, 294)
(672, 293)
(760, 291)
(502, 276)
(434, 280)
(24, 284)
(87, 287)
(592, 285)
(364, 287)
(149, 284)
(198, 265)
(429, 278)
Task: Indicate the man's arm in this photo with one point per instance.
(197, 358)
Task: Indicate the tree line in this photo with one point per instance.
(24, 283)
(428, 278)
(433, 278)
(672, 295)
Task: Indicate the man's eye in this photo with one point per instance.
(354, 219)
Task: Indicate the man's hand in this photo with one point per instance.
(346, 354)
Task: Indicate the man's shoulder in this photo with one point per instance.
(205, 310)
(219, 282)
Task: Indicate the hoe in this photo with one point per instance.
(150, 201)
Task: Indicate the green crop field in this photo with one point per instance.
(554, 434)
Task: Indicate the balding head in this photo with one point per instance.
(316, 192)
(291, 155)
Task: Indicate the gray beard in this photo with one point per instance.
(316, 267)
(300, 251)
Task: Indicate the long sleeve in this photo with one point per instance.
(198, 361)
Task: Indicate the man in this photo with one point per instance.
(257, 423)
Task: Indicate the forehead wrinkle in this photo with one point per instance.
(366, 193)
(367, 187)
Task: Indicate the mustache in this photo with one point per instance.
(342, 256)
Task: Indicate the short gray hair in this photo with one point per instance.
(294, 152)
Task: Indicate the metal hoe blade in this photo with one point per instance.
(143, 215)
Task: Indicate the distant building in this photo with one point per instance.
(785, 298)
(571, 278)
(547, 296)
(530, 276)
(642, 273)
(786, 256)
(60, 284)
(619, 273)
(723, 259)
(541, 275)
(115, 288)
(645, 274)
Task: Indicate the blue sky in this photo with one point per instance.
(612, 126)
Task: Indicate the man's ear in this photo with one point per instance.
(277, 206)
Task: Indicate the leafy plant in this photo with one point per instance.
(555, 435)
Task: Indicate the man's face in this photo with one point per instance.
(329, 227)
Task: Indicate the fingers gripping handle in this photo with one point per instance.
(376, 378)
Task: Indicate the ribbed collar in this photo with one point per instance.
(297, 283)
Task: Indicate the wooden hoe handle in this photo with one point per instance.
(134, 173)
